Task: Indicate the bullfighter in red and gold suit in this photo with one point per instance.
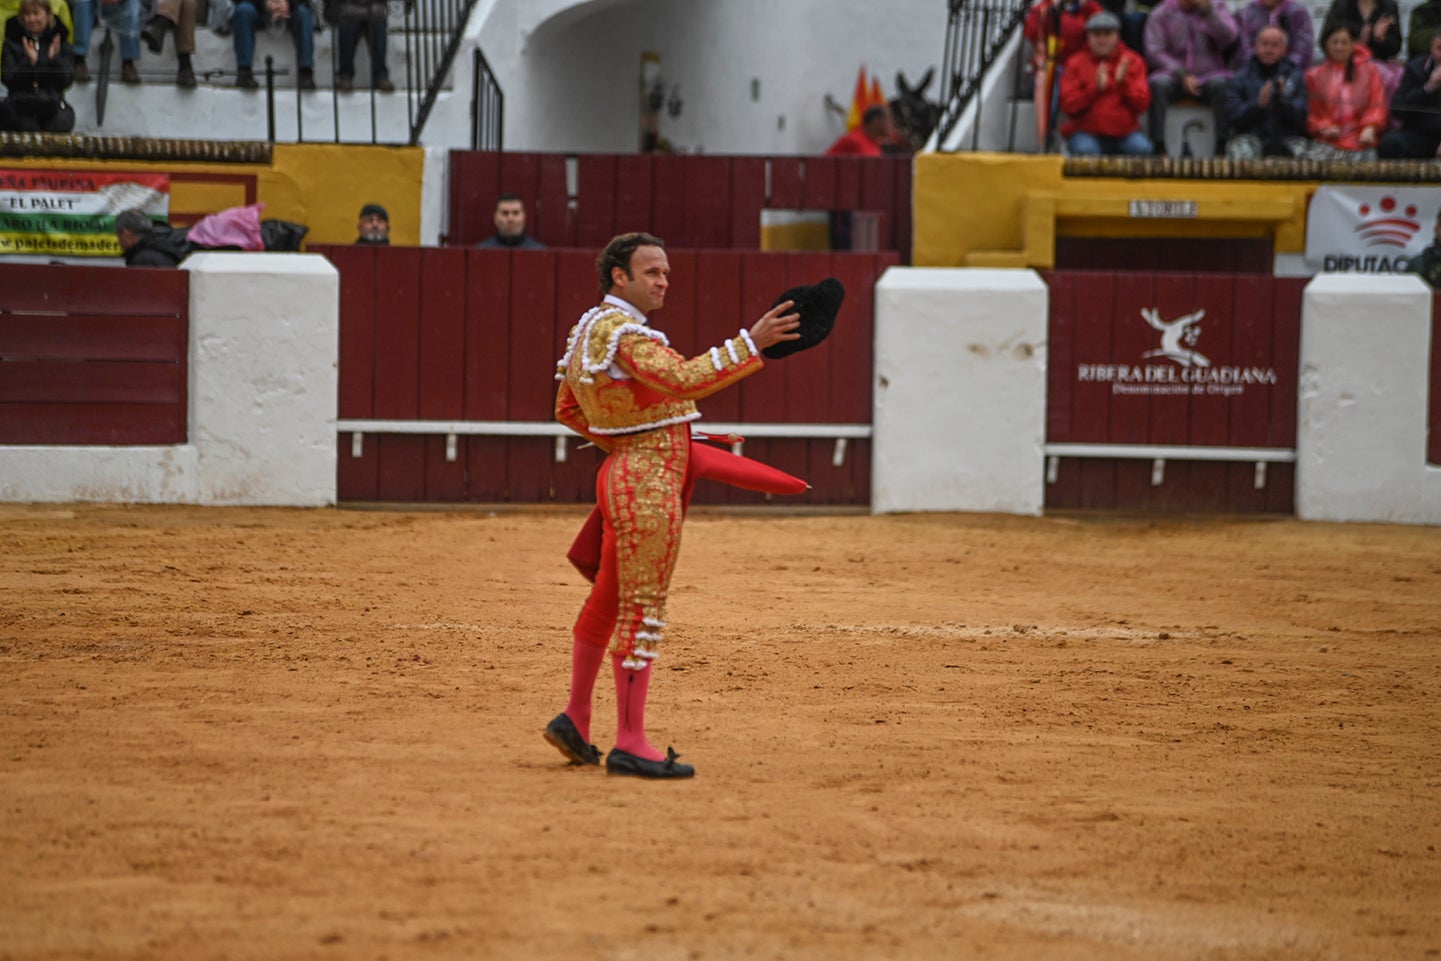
(624, 388)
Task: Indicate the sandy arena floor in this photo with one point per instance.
(285, 734)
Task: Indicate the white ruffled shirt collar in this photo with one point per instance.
(626, 306)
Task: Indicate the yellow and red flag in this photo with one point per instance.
(859, 101)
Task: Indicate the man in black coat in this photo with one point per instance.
(150, 244)
(1266, 102)
(1417, 105)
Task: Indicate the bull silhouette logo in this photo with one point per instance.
(1178, 337)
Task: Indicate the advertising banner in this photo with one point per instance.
(71, 213)
(1369, 229)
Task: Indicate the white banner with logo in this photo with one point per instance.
(1368, 229)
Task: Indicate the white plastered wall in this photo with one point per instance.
(1361, 414)
(264, 345)
(960, 391)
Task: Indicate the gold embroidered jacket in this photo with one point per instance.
(620, 376)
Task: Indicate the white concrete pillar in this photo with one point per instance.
(1361, 414)
(960, 391)
(264, 361)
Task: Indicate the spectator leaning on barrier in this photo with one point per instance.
(1291, 16)
(1188, 45)
(509, 220)
(1417, 105)
(374, 226)
(36, 66)
(147, 243)
(1347, 109)
(1428, 262)
(1104, 94)
(1266, 102)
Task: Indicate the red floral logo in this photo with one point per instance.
(1386, 224)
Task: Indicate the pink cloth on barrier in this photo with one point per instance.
(233, 227)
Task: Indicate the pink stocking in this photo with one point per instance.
(631, 688)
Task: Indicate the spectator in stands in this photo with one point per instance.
(1417, 105)
(865, 140)
(121, 16)
(61, 9)
(1428, 262)
(1376, 25)
(374, 226)
(295, 15)
(1266, 102)
(36, 66)
(1291, 16)
(1347, 103)
(510, 226)
(354, 19)
(1188, 45)
(147, 243)
(1104, 94)
(1064, 19)
(178, 16)
(1423, 24)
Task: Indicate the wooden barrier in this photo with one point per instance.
(469, 338)
(1223, 385)
(690, 201)
(93, 355)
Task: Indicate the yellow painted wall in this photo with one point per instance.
(969, 203)
(320, 185)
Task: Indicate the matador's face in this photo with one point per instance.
(645, 285)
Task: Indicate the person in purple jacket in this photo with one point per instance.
(1189, 44)
(1291, 16)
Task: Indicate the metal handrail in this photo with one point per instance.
(434, 29)
(487, 106)
(976, 30)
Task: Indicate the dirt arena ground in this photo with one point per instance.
(286, 734)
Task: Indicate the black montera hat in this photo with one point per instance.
(818, 305)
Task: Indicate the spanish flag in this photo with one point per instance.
(878, 97)
(860, 100)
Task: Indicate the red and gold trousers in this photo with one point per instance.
(641, 491)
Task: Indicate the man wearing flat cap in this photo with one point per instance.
(1104, 94)
(624, 389)
(374, 226)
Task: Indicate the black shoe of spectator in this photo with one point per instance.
(185, 78)
(384, 85)
(82, 71)
(245, 79)
(128, 73)
(344, 84)
(154, 34)
(307, 79)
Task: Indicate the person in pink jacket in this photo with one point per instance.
(1104, 94)
(1347, 112)
(1189, 45)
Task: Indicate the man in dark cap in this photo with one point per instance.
(625, 390)
(374, 226)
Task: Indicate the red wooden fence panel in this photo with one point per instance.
(474, 335)
(690, 201)
(93, 355)
(1205, 360)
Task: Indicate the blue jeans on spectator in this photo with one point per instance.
(1082, 144)
(374, 32)
(301, 25)
(122, 17)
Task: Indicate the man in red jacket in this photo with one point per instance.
(1104, 94)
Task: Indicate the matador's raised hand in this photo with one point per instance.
(775, 326)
